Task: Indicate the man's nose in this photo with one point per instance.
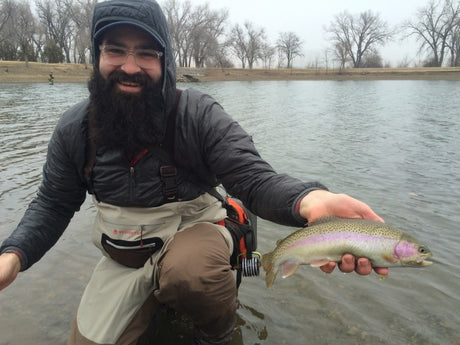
(130, 66)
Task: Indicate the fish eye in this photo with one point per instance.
(422, 250)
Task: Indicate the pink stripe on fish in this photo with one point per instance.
(338, 237)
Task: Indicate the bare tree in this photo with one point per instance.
(340, 51)
(237, 44)
(435, 26)
(195, 31)
(372, 60)
(255, 40)
(290, 45)
(24, 30)
(246, 43)
(220, 57)
(17, 26)
(56, 17)
(6, 7)
(453, 37)
(358, 35)
(267, 55)
(7, 50)
(208, 27)
(39, 39)
(326, 60)
(80, 12)
(178, 16)
(454, 45)
(203, 45)
(280, 58)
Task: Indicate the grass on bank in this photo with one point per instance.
(18, 72)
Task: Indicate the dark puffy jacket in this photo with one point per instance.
(208, 143)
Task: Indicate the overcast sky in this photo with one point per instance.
(307, 18)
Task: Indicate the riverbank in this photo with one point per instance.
(17, 72)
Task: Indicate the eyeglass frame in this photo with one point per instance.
(129, 52)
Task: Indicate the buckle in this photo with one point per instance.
(168, 171)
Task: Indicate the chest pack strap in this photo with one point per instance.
(90, 156)
(168, 170)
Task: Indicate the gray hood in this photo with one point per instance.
(147, 15)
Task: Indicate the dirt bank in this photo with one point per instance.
(18, 72)
(321, 74)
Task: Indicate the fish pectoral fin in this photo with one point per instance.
(288, 268)
(390, 258)
(319, 262)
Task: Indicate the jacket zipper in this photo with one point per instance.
(132, 177)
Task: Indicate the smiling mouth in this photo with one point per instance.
(129, 83)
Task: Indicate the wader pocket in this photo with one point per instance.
(132, 254)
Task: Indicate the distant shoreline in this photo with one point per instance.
(17, 72)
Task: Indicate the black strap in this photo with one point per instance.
(168, 140)
(168, 169)
(90, 156)
(168, 175)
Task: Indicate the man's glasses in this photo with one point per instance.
(117, 56)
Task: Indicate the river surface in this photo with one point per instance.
(393, 144)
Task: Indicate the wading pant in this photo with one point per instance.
(194, 278)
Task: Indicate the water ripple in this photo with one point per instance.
(393, 144)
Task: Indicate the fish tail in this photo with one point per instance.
(267, 264)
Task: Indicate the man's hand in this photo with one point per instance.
(10, 265)
(321, 203)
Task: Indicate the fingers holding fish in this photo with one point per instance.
(382, 271)
(349, 263)
(329, 267)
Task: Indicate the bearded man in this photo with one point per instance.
(158, 247)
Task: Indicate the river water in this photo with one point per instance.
(393, 144)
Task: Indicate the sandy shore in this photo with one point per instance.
(17, 72)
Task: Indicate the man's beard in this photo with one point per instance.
(120, 120)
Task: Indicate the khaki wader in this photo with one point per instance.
(191, 273)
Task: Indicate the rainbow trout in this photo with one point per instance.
(328, 239)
